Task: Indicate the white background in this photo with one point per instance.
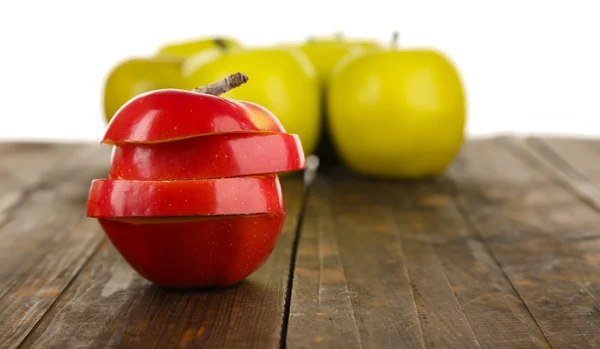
(528, 66)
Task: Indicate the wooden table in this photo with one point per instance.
(501, 252)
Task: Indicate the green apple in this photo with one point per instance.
(281, 79)
(133, 76)
(325, 52)
(136, 75)
(187, 48)
(398, 113)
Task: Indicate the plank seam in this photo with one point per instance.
(557, 172)
(412, 291)
(458, 198)
(294, 255)
(346, 286)
(37, 185)
(67, 285)
(471, 226)
(25, 195)
(554, 166)
(435, 252)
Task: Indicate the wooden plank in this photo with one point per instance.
(23, 166)
(580, 155)
(51, 195)
(576, 162)
(27, 164)
(494, 311)
(324, 317)
(46, 241)
(545, 238)
(108, 305)
(384, 264)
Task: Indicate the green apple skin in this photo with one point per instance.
(137, 75)
(324, 56)
(280, 79)
(397, 114)
(325, 53)
(186, 48)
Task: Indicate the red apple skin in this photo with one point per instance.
(201, 253)
(110, 198)
(171, 114)
(214, 156)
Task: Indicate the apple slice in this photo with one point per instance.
(214, 156)
(109, 198)
(171, 114)
(196, 253)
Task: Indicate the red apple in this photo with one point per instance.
(214, 156)
(110, 198)
(171, 114)
(196, 252)
(193, 198)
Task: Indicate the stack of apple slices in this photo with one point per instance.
(193, 197)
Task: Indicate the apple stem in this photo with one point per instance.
(395, 38)
(221, 43)
(223, 85)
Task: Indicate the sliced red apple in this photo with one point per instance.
(172, 114)
(109, 198)
(214, 156)
(196, 253)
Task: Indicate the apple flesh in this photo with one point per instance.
(110, 198)
(213, 156)
(196, 253)
(172, 114)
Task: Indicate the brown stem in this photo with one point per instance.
(220, 42)
(395, 37)
(223, 85)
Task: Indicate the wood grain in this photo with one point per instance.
(384, 264)
(46, 238)
(24, 167)
(573, 161)
(320, 311)
(501, 252)
(546, 238)
(580, 155)
(109, 305)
